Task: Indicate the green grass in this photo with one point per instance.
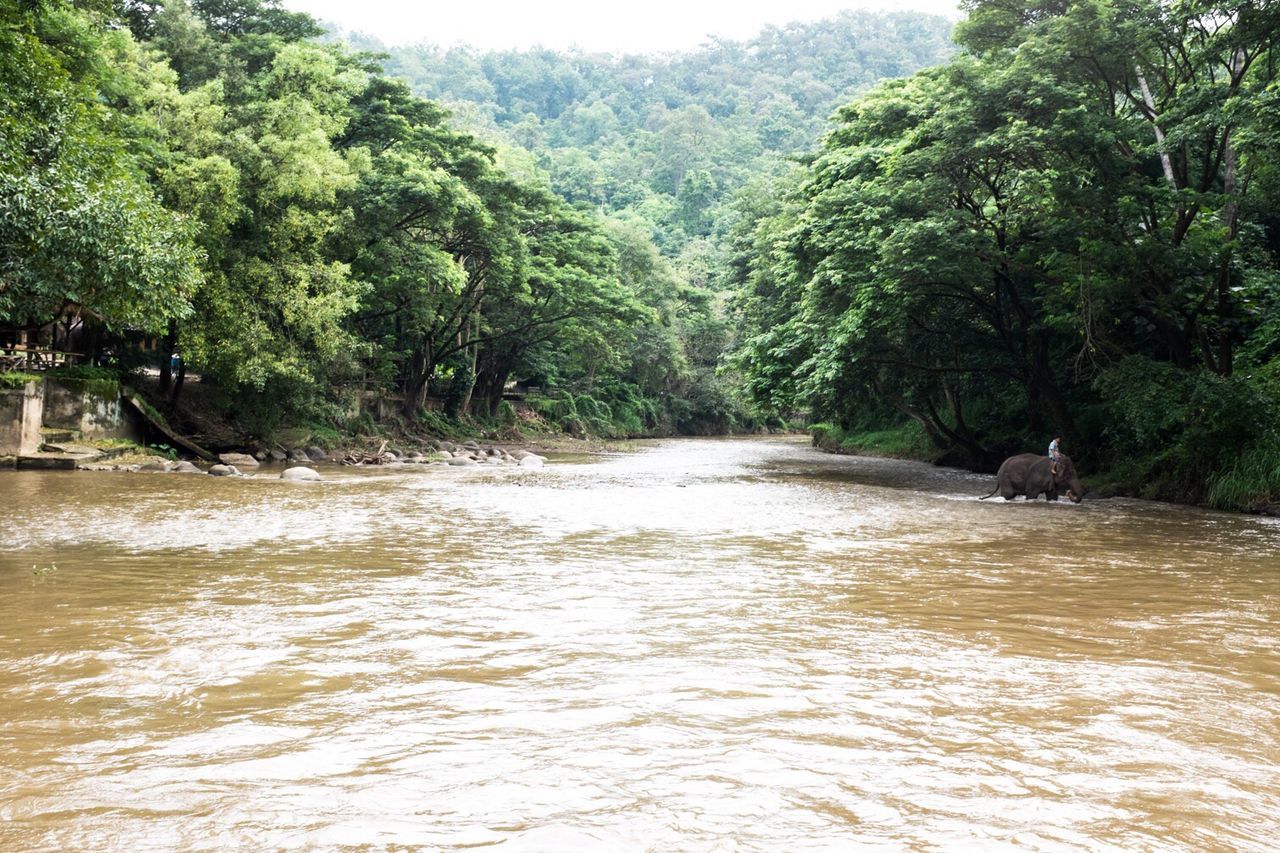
(906, 441)
(1250, 483)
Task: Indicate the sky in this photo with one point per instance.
(595, 25)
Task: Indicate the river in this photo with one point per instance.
(701, 645)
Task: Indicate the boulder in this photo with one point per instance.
(301, 474)
(155, 467)
(185, 467)
(223, 471)
(414, 457)
(532, 460)
(462, 460)
(238, 460)
(317, 454)
(519, 454)
(297, 454)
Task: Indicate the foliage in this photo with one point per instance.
(99, 381)
(17, 379)
(660, 146)
(1058, 233)
(79, 223)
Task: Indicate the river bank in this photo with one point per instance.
(1151, 479)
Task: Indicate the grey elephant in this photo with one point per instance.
(1030, 474)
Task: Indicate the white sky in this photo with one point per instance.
(597, 25)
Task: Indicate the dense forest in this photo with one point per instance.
(663, 146)
(1064, 225)
(1069, 230)
(224, 178)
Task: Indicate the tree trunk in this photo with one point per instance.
(1166, 162)
(415, 386)
(492, 390)
(1230, 216)
(167, 345)
(178, 382)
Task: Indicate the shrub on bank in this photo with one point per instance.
(16, 379)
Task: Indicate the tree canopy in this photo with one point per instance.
(1065, 231)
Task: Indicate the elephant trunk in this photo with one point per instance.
(1075, 490)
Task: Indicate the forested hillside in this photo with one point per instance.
(663, 146)
(1070, 230)
(667, 140)
(309, 235)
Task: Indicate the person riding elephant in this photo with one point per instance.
(1033, 475)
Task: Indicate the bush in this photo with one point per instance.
(99, 381)
(1199, 436)
(17, 379)
(1251, 482)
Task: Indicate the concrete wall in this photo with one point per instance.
(21, 413)
(72, 405)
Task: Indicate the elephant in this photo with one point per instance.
(1029, 474)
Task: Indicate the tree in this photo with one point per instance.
(80, 227)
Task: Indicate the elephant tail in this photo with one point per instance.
(993, 493)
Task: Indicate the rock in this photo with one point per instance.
(390, 457)
(223, 471)
(155, 467)
(493, 460)
(297, 454)
(519, 454)
(260, 455)
(277, 455)
(238, 460)
(414, 457)
(301, 474)
(317, 454)
(471, 445)
(462, 460)
(532, 460)
(185, 467)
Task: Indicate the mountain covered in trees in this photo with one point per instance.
(665, 141)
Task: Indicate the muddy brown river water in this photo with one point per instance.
(702, 645)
